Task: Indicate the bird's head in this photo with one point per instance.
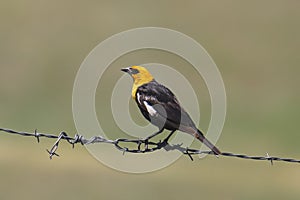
(139, 74)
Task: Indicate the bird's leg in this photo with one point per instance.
(151, 136)
(165, 141)
(154, 134)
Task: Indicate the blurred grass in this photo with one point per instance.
(255, 45)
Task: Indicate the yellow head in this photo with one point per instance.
(140, 76)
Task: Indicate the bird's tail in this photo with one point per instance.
(199, 135)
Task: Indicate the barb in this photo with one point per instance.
(148, 146)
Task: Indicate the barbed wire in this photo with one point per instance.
(149, 146)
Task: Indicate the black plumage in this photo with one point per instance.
(160, 106)
(169, 114)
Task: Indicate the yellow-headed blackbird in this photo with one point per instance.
(161, 107)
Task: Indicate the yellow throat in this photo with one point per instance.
(140, 78)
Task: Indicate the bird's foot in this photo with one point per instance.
(163, 143)
(146, 144)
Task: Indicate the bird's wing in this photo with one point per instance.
(157, 100)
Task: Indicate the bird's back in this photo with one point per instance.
(160, 106)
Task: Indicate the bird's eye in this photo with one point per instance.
(134, 71)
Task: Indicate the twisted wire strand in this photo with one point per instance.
(154, 146)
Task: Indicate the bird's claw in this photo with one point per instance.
(145, 142)
(139, 144)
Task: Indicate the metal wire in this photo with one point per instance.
(148, 146)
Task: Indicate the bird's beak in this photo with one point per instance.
(127, 70)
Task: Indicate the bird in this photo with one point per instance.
(160, 106)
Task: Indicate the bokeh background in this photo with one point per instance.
(255, 44)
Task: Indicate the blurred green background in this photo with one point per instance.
(255, 44)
